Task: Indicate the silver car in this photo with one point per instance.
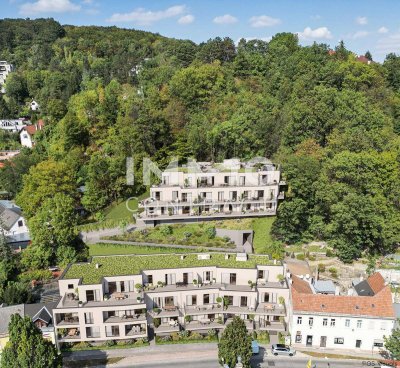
(280, 349)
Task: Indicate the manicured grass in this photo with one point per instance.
(132, 265)
(103, 249)
(120, 211)
(186, 340)
(332, 356)
(262, 237)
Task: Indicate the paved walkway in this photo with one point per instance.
(92, 237)
(351, 352)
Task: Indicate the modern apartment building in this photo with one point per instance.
(122, 297)
(5, 69)
(204, 190)
(357, 321)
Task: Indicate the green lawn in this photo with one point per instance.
(118, 210)
(262, 237)
(103, 249)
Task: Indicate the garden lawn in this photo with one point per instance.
(119, 211)
(262, 234)
(103, 249)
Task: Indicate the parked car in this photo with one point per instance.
(255, 347)
(280, 349)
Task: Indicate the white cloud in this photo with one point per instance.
(317, 33)
(145, 17)
(225, 19)
(362, 21)
(359, 34)
(389, 44)
(48, 6)
(263, 21)
(186, 19)
(383, 30)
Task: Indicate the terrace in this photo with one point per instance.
(271, 308)
(167, 311)
(125, 318)
(133, 265)
(270, 326)
(136, 330)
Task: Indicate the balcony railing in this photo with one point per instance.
(67, 321)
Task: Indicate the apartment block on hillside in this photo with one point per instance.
(5, 70)
(205, 190)
(122, 297)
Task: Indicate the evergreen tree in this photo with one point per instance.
(235, 341)
(27, 348)
(392, 343)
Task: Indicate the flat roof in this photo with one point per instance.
(133, 265)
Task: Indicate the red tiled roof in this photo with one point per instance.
(376, 282)
(379, 305)
(32, 129)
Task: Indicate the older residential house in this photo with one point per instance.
(13, 224)
(27, 133)
(341, 321)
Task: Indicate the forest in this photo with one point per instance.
(330, 121)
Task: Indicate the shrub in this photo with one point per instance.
(195, 336)
(82, 345)
(211, 232)
(211, 332)
(312, 257)
(227, 239)
(166, 338)
(333, 271)
(156, 322)
(187, 234)
(110, 343)
(329, 253)
(166, 230)
(175, 336)
(321, 267)
(300, 257)
(183, 334)
(188, 318)
(38, 275)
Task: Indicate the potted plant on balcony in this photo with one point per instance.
(188, 319)
(251, 284)
(139, 287)
(281, 301)
(219, 301)
(160, 284)
(195, 282)
(80, 303)
(214, 280)
(281, 278)
(138, 299)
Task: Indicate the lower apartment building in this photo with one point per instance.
(357, 321)
(123, 297)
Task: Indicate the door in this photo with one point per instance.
(309, 340)
(323, 342)
(358, 343)
(185, 278)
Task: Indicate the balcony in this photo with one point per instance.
(115, 299)
(180, 286)
(125, 319)
(66, 334)
(271, 326)
(203, 324)
(66, 320)
(239, 310)
(167, 327)
(249, 323)
(271, 309)
(203, 309)
(135, 330)
(167, 311)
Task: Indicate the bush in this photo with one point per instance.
(300, 257)
(110, 343)
(166, 338)
(311, 257)
(38, 275)
(227, 239)
(82, 345)
(175, 336)
(211, 232)
(329, 253)
(183, 334)
(156, 322)
(211, 332)
(187, 234)
(333, 271)
(166, 230)
(141, 341)
(321, 267)
(195, 336)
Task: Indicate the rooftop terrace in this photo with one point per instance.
(133, 265)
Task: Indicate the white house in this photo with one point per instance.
(13, 125)
(27, 133)
(341, 321)
(34, 106)
(12, 223)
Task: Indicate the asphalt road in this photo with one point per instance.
(257, 363)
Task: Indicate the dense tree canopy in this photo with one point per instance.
(107, 94)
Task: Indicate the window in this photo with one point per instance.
(347, 323)
(299, 320)
(359, 323)
(338, 340)
(378, 344)
(243, 301)
(298, 338)
(260, 274)
(70, 286)
(92, 332)
(149, 279)
(229, 299)
(220, 196)
(207, 276)
(242, 180)
(89, 317)
(112, 331)
(232, 278)
(206, 299)
(194, 300)
(267, 297)
(90, 295)
(333, 322)
(310, 321)
(325, 322)
(20, 223)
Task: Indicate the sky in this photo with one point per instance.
(363, 25)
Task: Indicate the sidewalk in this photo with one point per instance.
(375, 355)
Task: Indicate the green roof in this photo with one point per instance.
(132, 265)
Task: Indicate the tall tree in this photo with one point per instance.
(392, 343)
(27, 348)
(235, 341)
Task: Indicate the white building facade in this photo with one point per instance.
(341, 321)
(170, 300)
(5, 69)
(211, 191)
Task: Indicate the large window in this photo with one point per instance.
(359, 323)
(206, 299)
(232, 278)
(243, 301)
(112, 331)
(90, 296)
(298, 338)
(89, 317)
(338, 340)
